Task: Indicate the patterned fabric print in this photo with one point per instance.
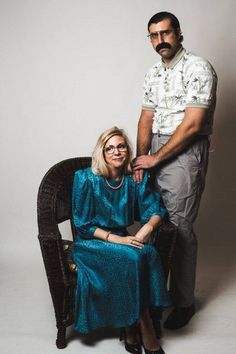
(188, 81)
(115, 282)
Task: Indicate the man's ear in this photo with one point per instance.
(179, 34)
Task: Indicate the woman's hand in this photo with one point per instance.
(126, 240)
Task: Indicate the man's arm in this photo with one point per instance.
(189, 128)
(144, 136)
(144, 139)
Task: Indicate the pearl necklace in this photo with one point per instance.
(115, 187)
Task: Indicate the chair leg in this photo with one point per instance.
(61, 337)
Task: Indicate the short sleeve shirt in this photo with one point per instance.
(187, 81)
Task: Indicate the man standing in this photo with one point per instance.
(175, 124)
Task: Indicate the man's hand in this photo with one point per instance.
(144, 162)
(138, 176)
(139, 164)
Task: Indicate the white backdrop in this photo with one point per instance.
(68, 70)
(72, 68)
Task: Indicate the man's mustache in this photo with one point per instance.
(162, 46)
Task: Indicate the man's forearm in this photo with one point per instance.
(177, 143)
(183, 135)
(144, 136)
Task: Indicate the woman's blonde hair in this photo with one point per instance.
(99, 165)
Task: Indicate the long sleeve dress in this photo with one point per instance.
(115, 282)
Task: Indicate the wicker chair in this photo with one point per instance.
(54, 207)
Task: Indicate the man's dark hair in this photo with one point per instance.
(160, 16)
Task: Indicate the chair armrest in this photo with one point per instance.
(55, 259)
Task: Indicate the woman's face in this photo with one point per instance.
(116, 153)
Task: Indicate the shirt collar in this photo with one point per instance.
(178, 56)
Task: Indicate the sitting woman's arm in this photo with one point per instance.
(125, 240)
(141, 237)
(151, 210)
(145, 231)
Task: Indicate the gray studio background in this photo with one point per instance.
(69, 70)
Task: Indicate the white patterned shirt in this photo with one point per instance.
(187, 81)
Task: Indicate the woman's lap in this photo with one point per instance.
(114, 281)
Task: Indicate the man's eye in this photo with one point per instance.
(167, 32)
(154, 35)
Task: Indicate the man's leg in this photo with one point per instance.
(181, 182)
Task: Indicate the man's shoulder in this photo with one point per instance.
(154, 69)
(191, 56)
(196, 61)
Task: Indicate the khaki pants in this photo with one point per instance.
(180, 182)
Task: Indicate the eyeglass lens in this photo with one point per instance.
(111, 148)
(163, 34)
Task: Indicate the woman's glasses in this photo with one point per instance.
(111, 148)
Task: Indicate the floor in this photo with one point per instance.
(28, 324)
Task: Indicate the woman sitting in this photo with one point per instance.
(119, 275)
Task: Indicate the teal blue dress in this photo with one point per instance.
(115, 282)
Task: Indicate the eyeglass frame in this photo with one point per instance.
(122, 147)
(162, 33)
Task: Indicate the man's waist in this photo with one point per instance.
(167, 136)
(163, 128)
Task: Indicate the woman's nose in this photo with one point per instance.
(116, 151)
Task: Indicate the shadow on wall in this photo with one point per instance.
(215, 226)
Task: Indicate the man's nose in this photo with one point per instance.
(160, 38)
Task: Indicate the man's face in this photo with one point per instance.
(165, 39)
